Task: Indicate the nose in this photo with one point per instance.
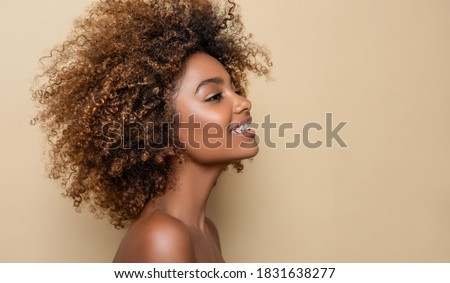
(241, 104)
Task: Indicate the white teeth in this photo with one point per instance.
(243, 127)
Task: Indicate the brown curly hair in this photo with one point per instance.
(117, 69)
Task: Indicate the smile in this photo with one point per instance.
(244, 130)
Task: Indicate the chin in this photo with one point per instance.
(243, 153)
(223, 156)
(249, 152)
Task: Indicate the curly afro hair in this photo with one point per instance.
(116, 69)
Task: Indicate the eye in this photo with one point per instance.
(215, 97)
(238, 91)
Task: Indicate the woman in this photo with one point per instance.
(144, 106)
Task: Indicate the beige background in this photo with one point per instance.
(383, 66)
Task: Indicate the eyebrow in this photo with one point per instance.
(215, 80)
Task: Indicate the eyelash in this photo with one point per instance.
(214, 98)
(218, 96)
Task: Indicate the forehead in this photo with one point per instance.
(199, 67)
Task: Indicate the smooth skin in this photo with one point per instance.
(173, 227)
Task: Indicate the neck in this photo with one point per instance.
(187, 201)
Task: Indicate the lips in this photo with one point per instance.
(243, 128)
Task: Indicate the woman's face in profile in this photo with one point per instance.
(211, 113)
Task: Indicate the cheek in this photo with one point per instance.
(204, 126)
(210, 142)
(204, 133)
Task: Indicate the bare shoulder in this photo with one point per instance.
(213, 230)
(157, 238)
